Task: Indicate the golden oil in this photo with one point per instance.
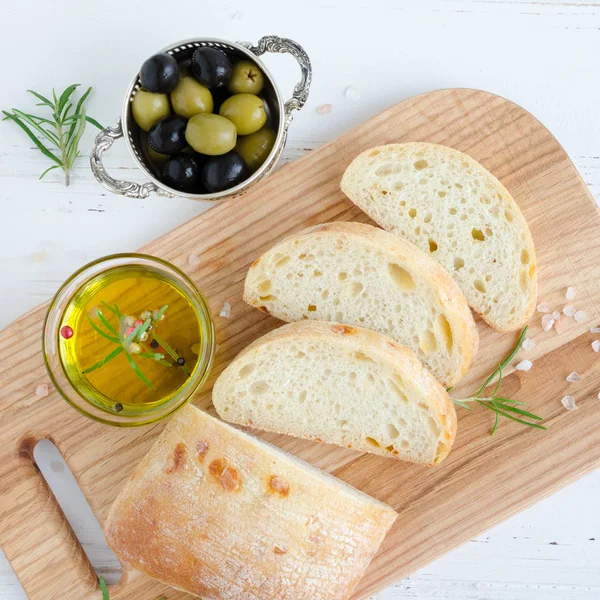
(123, 302)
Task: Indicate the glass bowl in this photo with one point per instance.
(83, 396)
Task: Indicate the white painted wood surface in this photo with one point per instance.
(543, 55)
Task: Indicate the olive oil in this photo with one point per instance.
(128, 339)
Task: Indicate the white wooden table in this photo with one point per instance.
(543, 55)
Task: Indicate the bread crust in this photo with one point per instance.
(217, 513)
(516, 322)
(449, 294)
(383, 348)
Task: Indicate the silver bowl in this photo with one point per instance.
(279, 119)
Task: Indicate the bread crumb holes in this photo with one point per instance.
(477, 235)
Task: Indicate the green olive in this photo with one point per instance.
(255, 148)
(245, 111)
(191, 98)
(149, 108)
(155, 156)
(246, 78)
(210, 134)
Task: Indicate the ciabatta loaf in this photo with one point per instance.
(217, 513)
(341, 385)
(361, 275)
(448, 205)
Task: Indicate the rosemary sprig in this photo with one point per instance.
(139, 331)
(107, 358)
(110, 338)
(137, 370)
(499, 405)
(132, 340)
(172, 353)
(63, 130)
(155, 356)
(106, 323)
(104, 590)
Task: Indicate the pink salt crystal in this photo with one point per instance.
(560, 326)
(570, 294)
(580, 316)
(569, 403)
(41, 390)
(325, 109)
(193, 260)
(595, 330)
(528, 344)
(569, 310)
(547, 322)
(524, 365)
(596, 345)
(543, 307)
(574, 377)
(556, 315)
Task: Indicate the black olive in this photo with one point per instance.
(224, 172)
(118, 407)
(154, 344)
(219, 96)
(160, 73)
(168, 135)
(211, 67)
(182, 172)
(185, 67)
(181, 361)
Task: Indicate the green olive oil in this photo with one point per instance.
(129, 339)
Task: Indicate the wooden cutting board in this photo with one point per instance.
(485, 479)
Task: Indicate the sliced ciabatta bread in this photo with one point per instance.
(448, 205)
(217, 513)
(342, 385)
(361, 275)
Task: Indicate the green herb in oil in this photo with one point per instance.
(135, 337)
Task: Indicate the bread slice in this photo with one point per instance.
(217, 513)
(341, 385)
(448, 205)
(361, 275)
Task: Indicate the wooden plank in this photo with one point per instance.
(484, 480)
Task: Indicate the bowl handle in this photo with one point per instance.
(104, 140)
(274, 43)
